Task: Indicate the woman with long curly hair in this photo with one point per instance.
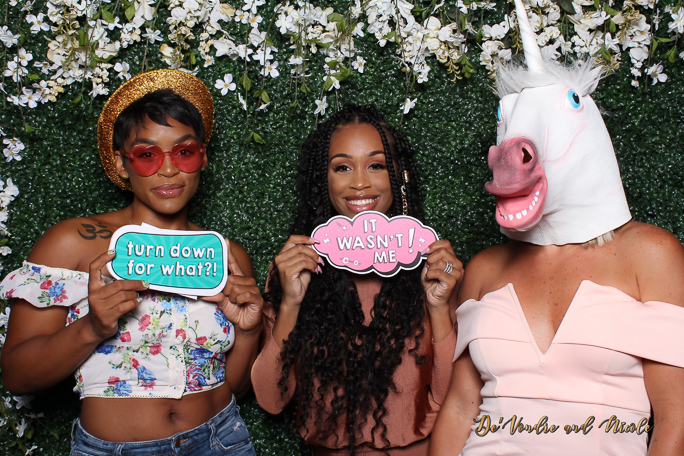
(366, 358)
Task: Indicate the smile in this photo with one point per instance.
(524, 212)
(361, 202)
(521, 212)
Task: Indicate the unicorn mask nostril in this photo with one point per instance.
(527, 157)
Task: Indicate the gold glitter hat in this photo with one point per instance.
(183, 84)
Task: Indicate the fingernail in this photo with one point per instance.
(320, 260)
(316, 240)
(425, 251)
(111, 252)
(139, 298)
(319, 270)
(146, 284)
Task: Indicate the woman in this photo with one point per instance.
(367, 358)
(570, 334)
(157, 373)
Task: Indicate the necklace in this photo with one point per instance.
(126, 214)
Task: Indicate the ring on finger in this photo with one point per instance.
(449, 267)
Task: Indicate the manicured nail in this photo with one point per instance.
(319, 270)
(425, 251)
(316, 240)
(139, 298)
(320, 260)
(146, 284)
(111, 252)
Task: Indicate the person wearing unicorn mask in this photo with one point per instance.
(572, 332)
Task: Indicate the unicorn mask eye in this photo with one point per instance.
(499, 116)
(574, 99)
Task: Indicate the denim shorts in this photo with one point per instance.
(223, 434)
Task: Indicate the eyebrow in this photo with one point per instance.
(149, 141)
(369, 154)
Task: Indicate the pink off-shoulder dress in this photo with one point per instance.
(589, 383)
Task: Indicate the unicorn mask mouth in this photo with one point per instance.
(523, 211)
(519, 184)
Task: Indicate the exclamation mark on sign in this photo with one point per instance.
(412, 231)
(214, 269)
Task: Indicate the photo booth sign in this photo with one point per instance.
(372, 242)
(190, 263)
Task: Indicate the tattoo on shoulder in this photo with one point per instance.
(94, 231)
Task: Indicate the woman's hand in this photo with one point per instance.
(296, 261)
(108, 302)
(240, 301)
(439, 280)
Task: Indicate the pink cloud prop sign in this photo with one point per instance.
(371, 242)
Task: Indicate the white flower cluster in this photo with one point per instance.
(87, 36)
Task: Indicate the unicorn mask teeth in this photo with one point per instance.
(555, 176)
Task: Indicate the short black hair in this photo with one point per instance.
(157, 106)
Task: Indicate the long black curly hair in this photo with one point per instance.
(352, 364)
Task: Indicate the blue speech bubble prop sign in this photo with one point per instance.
(183, 262)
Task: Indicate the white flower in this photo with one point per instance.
(98, 89)
(263, 56)
(656, 72)
(321, 105)
(15, 70)
(21, 427)
(599, 17)
(24, 57)
(251, 5)
(4, 250)
(7, 37)
(225, 84)
(255, 20)
(12, 190)
(14, 143)
(30, 98)
(243, 51)
(122, 68)
(241, 16)
(37, 23)
(4, 317)
(24, 401)
(225, 46)
(11, 154)
(270, 69)
(335, 83)
(152, 35)
(359, 64)
(242, 102)
(678, 22)
(296, 60)
(30, 450)
(408, 105)
(612, 43)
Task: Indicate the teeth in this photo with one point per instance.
(537, 193)
(522, 213)
(362, 202)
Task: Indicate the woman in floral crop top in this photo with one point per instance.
(157, 373)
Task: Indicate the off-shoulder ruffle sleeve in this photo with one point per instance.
(45, 286)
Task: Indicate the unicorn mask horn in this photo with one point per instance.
(555, 175)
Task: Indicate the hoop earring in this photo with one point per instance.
(404, 202)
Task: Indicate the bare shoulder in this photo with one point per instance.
(484, 269)
(657, 259)
(73, 243)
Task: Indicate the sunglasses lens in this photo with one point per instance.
(146, 160)
(187, 157)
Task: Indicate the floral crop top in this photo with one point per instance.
(166, 347)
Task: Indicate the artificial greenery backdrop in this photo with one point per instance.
(249, 192)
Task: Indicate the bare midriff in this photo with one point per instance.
(137, 419)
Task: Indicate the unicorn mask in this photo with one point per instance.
(555, 176)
